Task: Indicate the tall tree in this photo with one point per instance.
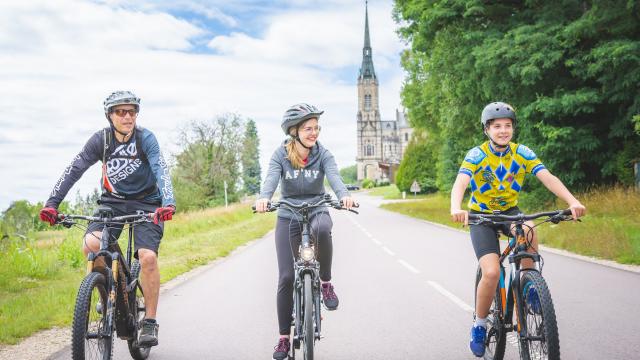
(349, 174)
(251, 159)
(571, 68)
(210, 156)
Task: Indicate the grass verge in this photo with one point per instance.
(611, 229)
(391, 192)
(39, 278)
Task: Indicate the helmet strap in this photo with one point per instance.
(493, 143)
(120, 132)
(303, 145)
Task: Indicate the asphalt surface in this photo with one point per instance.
(406, 292)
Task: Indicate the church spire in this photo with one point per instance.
(366, 70)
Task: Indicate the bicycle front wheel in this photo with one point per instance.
(540, 318)
(91, 340)
(138, 309)
(496, 335)
(309, 336)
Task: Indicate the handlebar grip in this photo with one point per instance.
(566, 212)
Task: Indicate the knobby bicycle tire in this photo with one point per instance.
(309, 336)
(496, 335)
(136, 302)
(88, 338)
(540, 320)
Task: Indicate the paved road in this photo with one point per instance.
(406, 290)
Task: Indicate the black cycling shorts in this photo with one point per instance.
(485, 237)
(146, 235)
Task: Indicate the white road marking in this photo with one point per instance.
(388, 251)
(450, 296)
(409, 266)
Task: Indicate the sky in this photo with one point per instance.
(187, 60)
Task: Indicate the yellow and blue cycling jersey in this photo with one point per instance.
(497, 177)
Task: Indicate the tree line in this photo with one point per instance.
(570, 68)
(222, 149)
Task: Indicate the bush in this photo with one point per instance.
(368, 184)
(418, 164)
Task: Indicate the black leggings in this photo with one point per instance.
(288, 237)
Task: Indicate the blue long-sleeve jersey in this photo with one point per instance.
(129, 173)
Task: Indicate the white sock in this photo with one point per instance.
(480, 322)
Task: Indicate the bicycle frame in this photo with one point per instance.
(304, 264)
(117, 271)
(516, 250)
(302, 267)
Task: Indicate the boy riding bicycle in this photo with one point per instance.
(496, 170)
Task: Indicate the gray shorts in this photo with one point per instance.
(146, 235)
(485, 238)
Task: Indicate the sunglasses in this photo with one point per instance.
(123, 112)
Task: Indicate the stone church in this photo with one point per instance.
(381, 143)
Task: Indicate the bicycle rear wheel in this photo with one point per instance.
(496, 335)
(540, 318)
(136, 302)
(89, 337)
(308, 328)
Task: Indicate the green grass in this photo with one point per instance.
(39, 278)
(391, 192)
(611, 229)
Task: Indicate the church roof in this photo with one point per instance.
(366, 70)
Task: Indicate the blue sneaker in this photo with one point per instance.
(534, 301)
(478, 335)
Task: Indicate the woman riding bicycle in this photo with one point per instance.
(300, 165)
(496, 171)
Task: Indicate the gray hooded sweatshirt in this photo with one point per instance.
(302, 185)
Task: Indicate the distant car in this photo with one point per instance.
(352, 187)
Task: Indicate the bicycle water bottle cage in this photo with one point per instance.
(105, 212)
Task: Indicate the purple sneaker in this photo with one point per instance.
(282, 349)
(329, 297)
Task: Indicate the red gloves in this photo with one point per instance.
(49, 215)
(163, 214)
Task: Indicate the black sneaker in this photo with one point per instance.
(282, 349)
(148, 335)
(329, 297)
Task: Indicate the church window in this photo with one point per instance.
(367, 102)
(406, 137)
(369, 150)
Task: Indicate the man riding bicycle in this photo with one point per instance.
(496, 170)
(135, 177)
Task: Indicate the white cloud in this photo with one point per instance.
(59, 60)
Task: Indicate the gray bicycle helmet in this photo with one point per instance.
(297, 114)
(497, 110)
(120, 98)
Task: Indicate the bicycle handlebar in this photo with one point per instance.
(139, 217)
(273, 206)
(555, 217)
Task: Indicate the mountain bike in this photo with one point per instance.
(306, 289)
(110, 297)
(528, 293)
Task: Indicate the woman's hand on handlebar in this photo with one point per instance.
(262, 205)
(348, 202)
